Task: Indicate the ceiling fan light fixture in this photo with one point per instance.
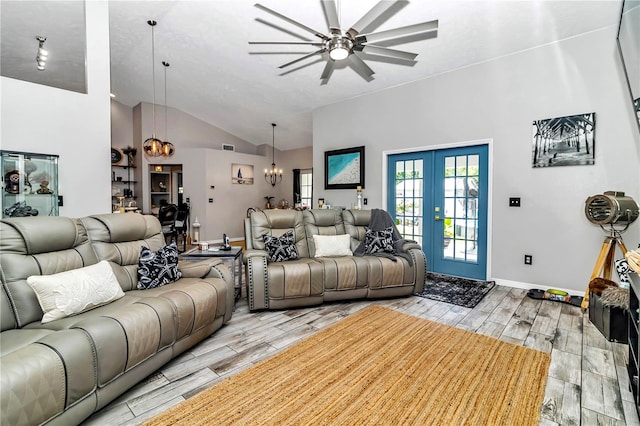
(339, 53)
(339, 48)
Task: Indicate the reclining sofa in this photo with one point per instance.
(311, 280)
(62, 371)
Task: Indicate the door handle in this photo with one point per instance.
(437, 218)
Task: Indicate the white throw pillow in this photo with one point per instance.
(75, 291)
(332, 245)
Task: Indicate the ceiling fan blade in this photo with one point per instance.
(360, 67)
(302, 58)
(373, 14)
(331, 12)
(312, 43)
(291, 21)
(370, 49)
(328, 70)
(425, 27)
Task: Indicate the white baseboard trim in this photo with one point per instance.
(529, 286)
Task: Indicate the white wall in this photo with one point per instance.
(121, 125)
(499, 100)
(75, 126)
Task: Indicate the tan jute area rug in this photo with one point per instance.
(379, 367)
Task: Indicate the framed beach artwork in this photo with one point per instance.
(242, 174)
(344, 168)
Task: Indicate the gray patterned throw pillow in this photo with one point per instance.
(281, 248)
(159, 268)
(379, 241)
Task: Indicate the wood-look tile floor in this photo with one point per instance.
(587, 382)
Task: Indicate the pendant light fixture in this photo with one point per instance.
(153, 146)
(167, 147)
(273, 176)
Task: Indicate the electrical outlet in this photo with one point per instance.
(528, 259)
(514, 202)
(365, 201)
(211, 200)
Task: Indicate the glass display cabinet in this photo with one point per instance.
(29, 185)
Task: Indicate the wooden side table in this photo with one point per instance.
(234, 256)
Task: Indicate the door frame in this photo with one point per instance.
(489, 143)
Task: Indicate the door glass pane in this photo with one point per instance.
(461, 174)
(409, 198)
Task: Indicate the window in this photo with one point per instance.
(306, 188)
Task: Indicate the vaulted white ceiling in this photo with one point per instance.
(218, 77)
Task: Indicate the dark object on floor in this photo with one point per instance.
(555, 295)
(612, 321)
(608, 309)
(458, 291)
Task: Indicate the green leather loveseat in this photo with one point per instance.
(60, 372)
(311, 279)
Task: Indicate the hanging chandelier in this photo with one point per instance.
(273, 176)
(153, 146)
(167, 147)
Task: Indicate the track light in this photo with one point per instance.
(42, 54)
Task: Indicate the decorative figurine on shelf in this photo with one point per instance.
(162, 186)
(44, 188)
(131, 156)
(268, 205)
(20, 209)
(29, 167)
(12, 182)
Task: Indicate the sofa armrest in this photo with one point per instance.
(248, 254)
(207, 268)
(410, 245)
(419, 264)
(256, 262)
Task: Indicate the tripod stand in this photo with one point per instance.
(604, 263)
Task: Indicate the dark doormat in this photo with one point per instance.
(458, 291)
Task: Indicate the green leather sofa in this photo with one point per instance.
(311, 280)
(62, 371)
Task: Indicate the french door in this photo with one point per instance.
(439, 199)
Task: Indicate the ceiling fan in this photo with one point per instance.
(339, 45)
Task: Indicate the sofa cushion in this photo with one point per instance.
(281, 248)
(158, 268)
(72, 292)
(275, 223)
(37, 246)
(332, 245)
(379, 241)
(108, 235)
